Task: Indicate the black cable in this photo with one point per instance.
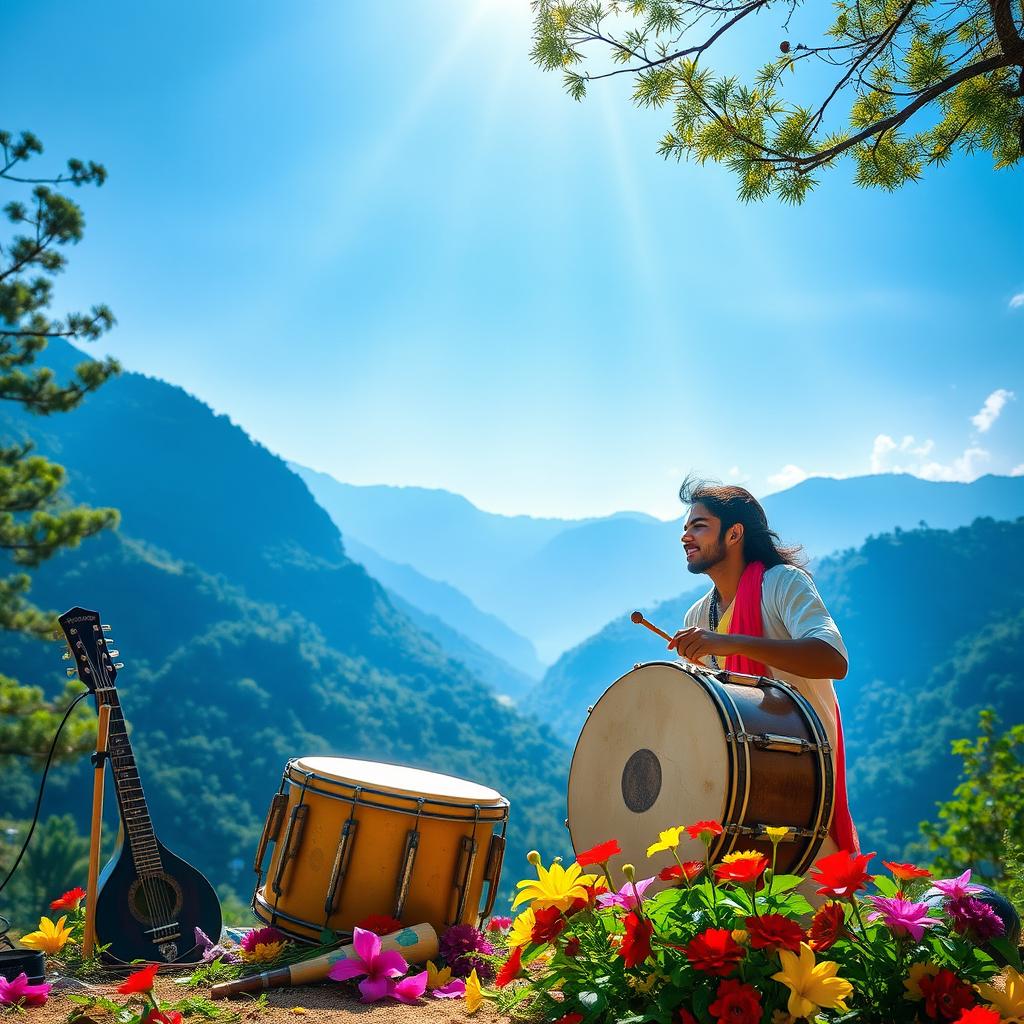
(42, 786)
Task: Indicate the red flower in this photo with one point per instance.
(156, 1016)
(70, 900)
(826, 926)
(599, 854)
(572, 947)
(636, 944)
(775, 932)
(744, 869)
(945, 995)
(686, 1017)
(140, 981)
(704, 830)
(906, 872)
(570, 1018)
(736, 1003)
(714, 951)
(379, 924)
(548, 924)
(841, 874)
(510, 968)
(581, 903)
(979, 1015)
(688, 871)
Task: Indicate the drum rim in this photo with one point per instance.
(419, 801)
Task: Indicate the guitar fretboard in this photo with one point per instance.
(131, 799)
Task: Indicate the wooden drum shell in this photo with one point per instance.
(343, 850)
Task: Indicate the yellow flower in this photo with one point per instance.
(474, 996)
(51, 938)
(740, 936)
(1009, 1000)
(554, 887)
(731, 858)
(811, 986)
(437, 978)
(776, 833)
(667, 840)
(263, 952)
(913, 981)
(644, 986)
(522, 928)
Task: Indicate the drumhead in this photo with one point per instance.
(651, 755)
(397, 778)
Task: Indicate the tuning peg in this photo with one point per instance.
(106, 629)
(67, 655)
(71, 672)
(112, 653)
(119, 664)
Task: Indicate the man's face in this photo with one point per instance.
(702, 540)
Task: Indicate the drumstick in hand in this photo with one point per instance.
(639, 619)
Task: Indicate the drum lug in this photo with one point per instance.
(590, 709)
(492, 873)
(292, 841)
(341, 858)
(463, 875)
(566, 823)
(412, 843)
(773, 741)
(271, 831)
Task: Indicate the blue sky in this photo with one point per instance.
(390, 248)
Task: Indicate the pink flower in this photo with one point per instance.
(902, 916)
(455, 989)
(408, 990)
(499, 924)
(957, 888)
(262, 937)
(380, 968)
(625, 897)
(975, 918)
(20, 993)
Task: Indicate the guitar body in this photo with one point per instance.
(132, 915)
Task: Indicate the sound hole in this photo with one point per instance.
(155, 900)
(641, 780)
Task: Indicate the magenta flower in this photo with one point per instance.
(261, 937)
(408, 990)
(975, 918)
(625, 897)
(957, 888)
(380, 968)
(20, 992)
(902, 916)
(455, 989)
(458, 948)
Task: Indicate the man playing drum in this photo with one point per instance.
(763, 617)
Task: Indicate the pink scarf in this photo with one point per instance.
(747, 621)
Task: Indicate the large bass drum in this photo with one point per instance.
(671, 744)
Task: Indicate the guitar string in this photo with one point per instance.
(151, 887)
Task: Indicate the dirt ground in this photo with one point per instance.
(326, 1002)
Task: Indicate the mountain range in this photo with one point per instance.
(556, 582)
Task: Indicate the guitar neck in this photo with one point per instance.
(131, 800)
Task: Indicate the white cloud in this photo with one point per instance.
(737, 476)
(965, 468)
(885, 446)
(788, 476)
(1017, 470)
(989, 412)
(1017, 301)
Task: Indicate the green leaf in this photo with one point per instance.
(886, 886)
(1010, 952)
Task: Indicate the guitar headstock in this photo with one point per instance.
(89, 648)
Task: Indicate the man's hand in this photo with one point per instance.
(695, 643)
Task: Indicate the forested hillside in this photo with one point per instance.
(249, 636)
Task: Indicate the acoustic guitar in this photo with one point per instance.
(149, 901)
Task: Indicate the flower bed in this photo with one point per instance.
(734, 943)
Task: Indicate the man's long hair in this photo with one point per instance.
(737, 505)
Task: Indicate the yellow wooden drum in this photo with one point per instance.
(354, 838)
